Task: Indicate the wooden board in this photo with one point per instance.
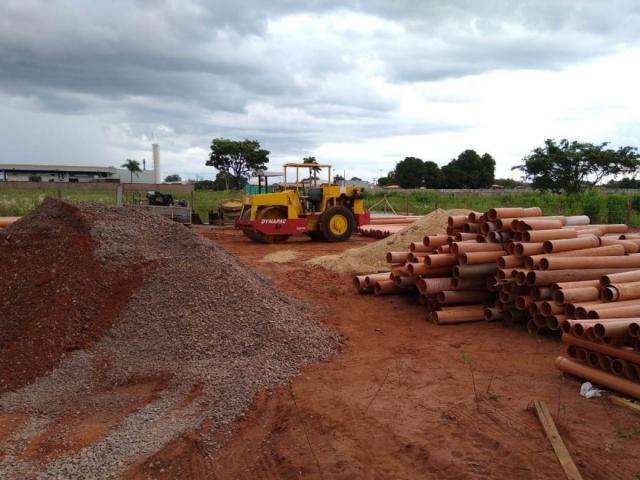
(623, 402)
(564, 457)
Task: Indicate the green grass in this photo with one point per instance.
(17, 202)
(601, 207)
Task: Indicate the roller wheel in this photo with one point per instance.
(337, 224)
(268, 213)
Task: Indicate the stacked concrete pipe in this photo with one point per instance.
(553, 274)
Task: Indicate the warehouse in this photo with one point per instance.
(70, 173)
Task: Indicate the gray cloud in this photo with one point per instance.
(204, 68)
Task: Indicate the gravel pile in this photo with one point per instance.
(200, 318)
(372, 257)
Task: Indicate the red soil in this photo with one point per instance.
(54, 295)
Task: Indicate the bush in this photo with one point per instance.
(617, 209)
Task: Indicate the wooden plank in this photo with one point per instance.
(623, 402)
(563, 455)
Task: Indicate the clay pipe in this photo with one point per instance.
(511, 212)
(533, 260)
(463, 247)
(621, 291)
(543, 235)
(457, 315)
(397, 257)
(598, 377)
(564, 263)
(572, 295)
(474, 271)
(545, 277)
(630, 246)
(616, 352)
(629, 311)
(459, 297)
(434, 241)
(588, 241)
(472, 258)
(612, 328)
(625, 277)
(429, 286)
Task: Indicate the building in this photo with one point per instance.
(14, 172)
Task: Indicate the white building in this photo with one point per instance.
(14, 172)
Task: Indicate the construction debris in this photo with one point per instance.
(549, 273)
(210, 331)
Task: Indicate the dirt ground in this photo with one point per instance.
(399, 401)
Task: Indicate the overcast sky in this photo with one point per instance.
(360, 84)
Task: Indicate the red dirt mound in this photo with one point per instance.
(55, 297)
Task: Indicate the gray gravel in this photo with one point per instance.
(200, 318)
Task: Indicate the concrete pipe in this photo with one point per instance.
(441, 260)
(541, 293)
(566, 263)
(577, 220)
(464, 247)
(360, 284)
(522, 249)
(474, 271)
(616, 278)
(628, 311)
(469, 283)
(474, 217)
(621, 291)
(551, 308)
(397, 257)
(630, 246)
(612, 328)
(405, 282)
(458, 315)
(598, 377)
(611, 250)
(430, 286)
(563, 245)
(371, 278)
(471, 228)
(510, 261)
(545, 277)
(385, 287)
(456, 221)
(614, 352)
(573, 295)
(543, 235)
(492, 314)
(420, 248)
(434, 241)
(473, 258)
(578, 284)
(512, 212)
(462, 297)
(542, 224)
(523, 302)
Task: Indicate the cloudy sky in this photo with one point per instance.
(361, 84)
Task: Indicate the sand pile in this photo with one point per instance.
(371, 258)
(199, 321)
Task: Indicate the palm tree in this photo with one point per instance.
(133, 166)
(314, 170)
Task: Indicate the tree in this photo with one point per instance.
(409, 172)
(470, 170)
(338, 178)
(388, 180)
(133, 166)
(507, 182)
(570, 166)
(314, 170)
(432, 176)
(237, 158)
(355, 179)
(173, 178)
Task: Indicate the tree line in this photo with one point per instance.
(468, 170)
(557, 166)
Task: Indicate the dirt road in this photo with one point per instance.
(400, 401)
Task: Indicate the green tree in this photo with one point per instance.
(470, 170)
(173, 178)
(133, 166)
(409, 172)
(572, 166)
(237, 159)
(314, 170)
(338, 178)
(432, 176)
(355, 179)
(388, 180)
